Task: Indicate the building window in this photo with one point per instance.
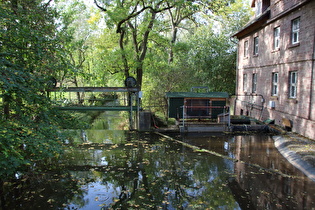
(295, 31)
(254, 83)
(256, 45)
(274, 89)
(246, 49)
(292, 84)
(265, 5)
(258, 6)
(276, 38)
(245, 82)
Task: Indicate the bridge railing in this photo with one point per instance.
(99, 99)
(94, 96)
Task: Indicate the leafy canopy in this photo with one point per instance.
(30, 51)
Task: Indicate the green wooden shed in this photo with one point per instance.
(194, 105)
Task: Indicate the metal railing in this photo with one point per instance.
(210, 113)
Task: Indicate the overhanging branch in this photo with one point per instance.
(101, 8)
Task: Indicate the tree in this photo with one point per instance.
(27, 51)
(29, 56)
(135, 21)
(204, 55)
(177, 15)
(213, 59)
(75, 56)
(213, 53)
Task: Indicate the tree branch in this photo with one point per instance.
(101, 8)
(47, 4)
(132, 15)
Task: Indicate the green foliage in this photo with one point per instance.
(119, 40)
(206, 56)
(30, 49)
(23, 145)
(213, 59)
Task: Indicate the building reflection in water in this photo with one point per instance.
(263, 178)
(277, 184)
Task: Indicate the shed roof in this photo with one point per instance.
(197, 95)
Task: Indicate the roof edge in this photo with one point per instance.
(253, 25)
(197, 95)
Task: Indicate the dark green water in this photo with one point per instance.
(112, 169)
(149, 172)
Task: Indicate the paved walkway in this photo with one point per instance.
(299, 151)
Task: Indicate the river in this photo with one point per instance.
(116, 169)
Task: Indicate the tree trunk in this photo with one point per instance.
(123, 55)
(174, 36)
(6, 106)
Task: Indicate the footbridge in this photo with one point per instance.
(98, 99)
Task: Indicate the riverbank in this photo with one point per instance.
(299, 151)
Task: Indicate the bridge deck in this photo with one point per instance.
(90, 107)
(98, 108)
(94, 89)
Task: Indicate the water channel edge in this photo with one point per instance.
(299, 151)
(291, 156)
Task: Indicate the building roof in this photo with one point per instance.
(253, 25)
(197, 95)
(265, 18)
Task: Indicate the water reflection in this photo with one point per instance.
(266, 180)
(269, 190)
(122, 170)
(151, 173)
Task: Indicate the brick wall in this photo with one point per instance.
(287, 58)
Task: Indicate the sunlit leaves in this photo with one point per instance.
(30, 47)
(27, 144)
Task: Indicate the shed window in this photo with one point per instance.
(198, 108)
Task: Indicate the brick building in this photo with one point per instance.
(276, 67)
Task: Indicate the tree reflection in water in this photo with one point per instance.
(150, 173)
(123, 170)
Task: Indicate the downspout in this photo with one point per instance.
(236, 74)
(312, 89)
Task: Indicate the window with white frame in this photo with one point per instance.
(255, 45)
(295, 31)
(245, 82)
(275, 80)
(246, 49)
(254, 83)
(276, 38)
(293, 84)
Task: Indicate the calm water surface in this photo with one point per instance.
(111, 169)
